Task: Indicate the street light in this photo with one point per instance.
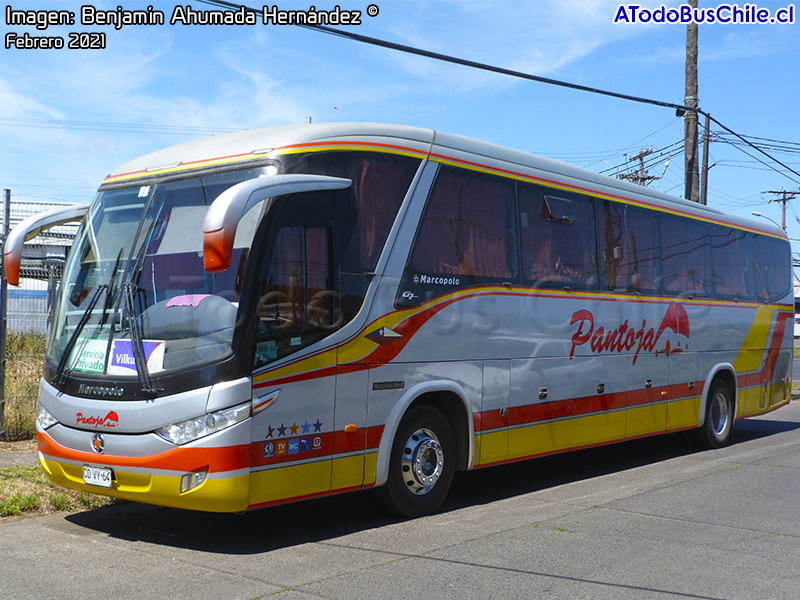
(758, 214)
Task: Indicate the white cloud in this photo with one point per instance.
(540, 37)
(16, 104)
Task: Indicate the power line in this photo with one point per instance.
(773, 145)
(795, 145)
(658, 157)
(105, 126)
(634, 144)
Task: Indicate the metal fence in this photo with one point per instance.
(27, 312)
(28, 306)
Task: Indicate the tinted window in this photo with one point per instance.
(628, 247)
(380, 182)
(773, 267)
(732, 260)
(684, 256)
(466, 236)
(317, 247)
(557, 233)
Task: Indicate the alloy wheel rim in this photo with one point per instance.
(422, 461)
(719, 413)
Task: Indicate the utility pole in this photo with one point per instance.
(639, 177)
(785, 197)
(690, 116)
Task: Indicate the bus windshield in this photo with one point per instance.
(136, 271)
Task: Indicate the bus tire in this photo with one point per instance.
(421, 465)
(717, 429)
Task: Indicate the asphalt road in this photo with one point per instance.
(645, 519)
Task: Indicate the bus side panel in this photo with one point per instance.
(782, 349)
(648, 379)
(391, 392)
(782, 380)
(541, 405)
(293, 440)
(686, 387)
(350, 430)
(492, 441)
(764, 362)
(600, 389)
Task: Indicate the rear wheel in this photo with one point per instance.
(421, 465)
(717, 430)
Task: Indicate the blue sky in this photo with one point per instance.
(68, 117)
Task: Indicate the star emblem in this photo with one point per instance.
(383, 336)
(281, 430)
(270, 431)
(306, 427)
(317, 426)
(294, 427)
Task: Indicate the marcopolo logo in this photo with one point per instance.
(109, 421)
(100, 390)
(437, 280)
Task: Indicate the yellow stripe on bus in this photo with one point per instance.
(749, 359)
(683, 414)
(586, 431)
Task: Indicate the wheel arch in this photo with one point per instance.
(726, 373)
(450, 399)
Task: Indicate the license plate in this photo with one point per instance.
(99, 476)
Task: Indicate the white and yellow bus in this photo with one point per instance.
(276, 315)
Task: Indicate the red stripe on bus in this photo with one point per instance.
(218, 460)
(584, 406)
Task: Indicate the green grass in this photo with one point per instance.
(24, 365)
(18, 504)
(26, 490)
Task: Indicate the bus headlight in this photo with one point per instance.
(44, 418)
(194, 429)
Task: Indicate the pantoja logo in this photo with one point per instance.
(626, 337)
(110, 420)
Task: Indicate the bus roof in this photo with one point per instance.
(250, 145)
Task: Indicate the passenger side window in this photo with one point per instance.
(557, 238)
(466, 236)
(628, 247)
(732, 259)
(773, 267)
(685, 256)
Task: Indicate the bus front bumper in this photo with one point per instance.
(212, 474)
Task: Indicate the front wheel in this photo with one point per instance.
(421, 465)
(717, 430)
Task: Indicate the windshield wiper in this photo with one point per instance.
(129, 289)
(110, 295)
(60, 376)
